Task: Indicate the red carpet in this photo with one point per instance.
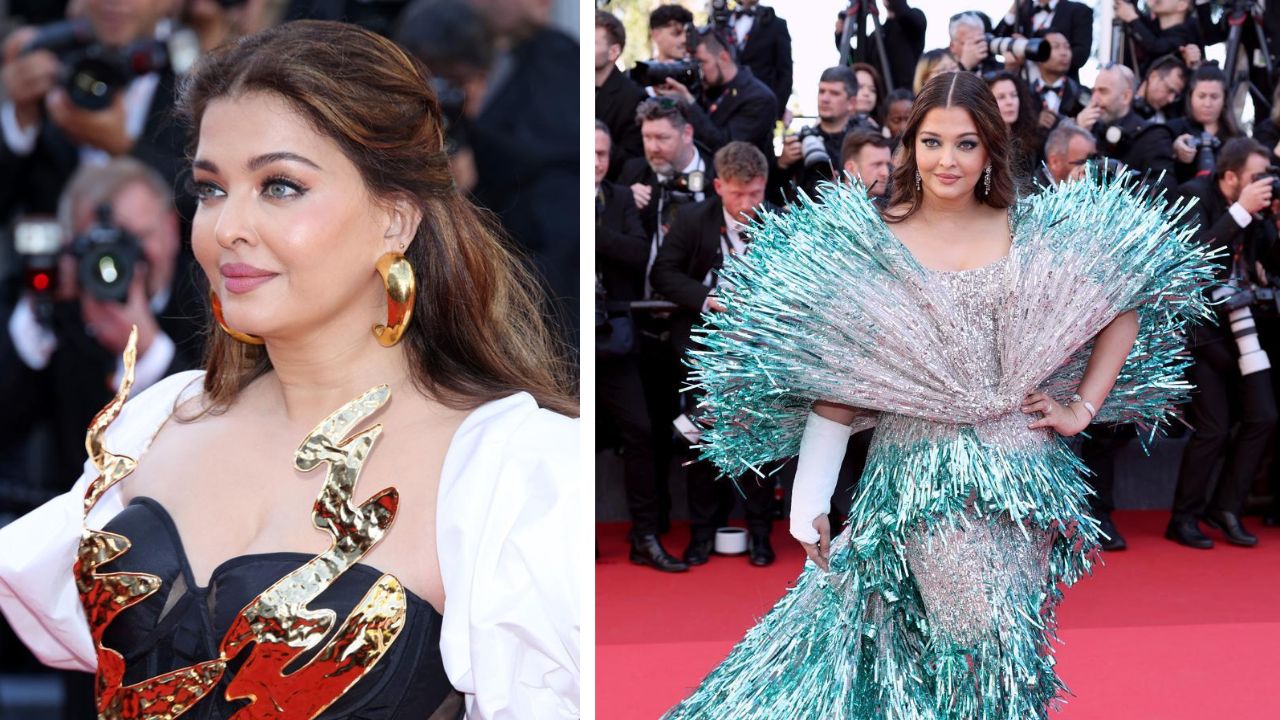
(1158, 632)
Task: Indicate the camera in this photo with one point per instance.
(1235, 303)
(1110, 167)
(93, 73)
(107, 257)
(685, 72)
(1035, 50)
(1205, 144)
(690, 183)
(813, 147)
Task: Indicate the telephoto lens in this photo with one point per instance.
(813, 147)
(1253, 358)
(648, 74)
(1035, 50)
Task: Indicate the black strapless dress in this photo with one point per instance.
(182, 624)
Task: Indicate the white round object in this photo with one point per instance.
(731, 541)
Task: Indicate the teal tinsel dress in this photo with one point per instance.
(941, 597)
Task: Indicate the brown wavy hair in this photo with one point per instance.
(965, 90)
(477, 332)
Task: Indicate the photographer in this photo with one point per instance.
(1038, 18)
(868, 156)
(616, 95)
(903, 30)
(622, 253)
(1229, 211)
(673, 170)
(968, 33)
(60, 351)
(1208, 123)
(738, 105)
(813, 154)
(702, 239)
(1055, 94)
(48, 129)
(764, 46)
(1142, 145)
(1166, 30)
(1159, 97)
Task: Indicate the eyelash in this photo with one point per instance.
(971, 144)
(198, 187)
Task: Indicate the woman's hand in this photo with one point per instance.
(820, 553)
(1066, 420)
(1182, 149)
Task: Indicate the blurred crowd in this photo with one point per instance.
(692, 142)
(96, 203)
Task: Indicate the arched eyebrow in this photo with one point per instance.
(931, 133)
(258, 162)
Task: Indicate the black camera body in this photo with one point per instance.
(686, 72)
(107, 256)
(694, 182)
(93, 72)
(1205, 144)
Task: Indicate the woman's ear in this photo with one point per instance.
(402, 220)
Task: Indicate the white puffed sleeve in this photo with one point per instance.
(506, 526)
(38, 593)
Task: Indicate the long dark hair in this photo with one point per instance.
(963, 90)
(1025, 135)
(477, 331)
(877, 112)
(1210, 72)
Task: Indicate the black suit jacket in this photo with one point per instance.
(637, 170)
(616, 102)
(1072, 99)
(1146, 147)
(66, 394)
(1268, 134)
(767, 52)
(1150, 42)
(32, 183)
(691, 250)
(1219, 229)
(622, 248)
(1074, 20)
(744, 110)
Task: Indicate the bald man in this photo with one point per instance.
(1122, 134)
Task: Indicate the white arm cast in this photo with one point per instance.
(822, 449)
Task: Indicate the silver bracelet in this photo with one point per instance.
(1087, 405)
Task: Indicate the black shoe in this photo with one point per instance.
(1112, 540)
(699, 551)
(759, 551)
(1228, 524)
(648, 550)
(1187, 532)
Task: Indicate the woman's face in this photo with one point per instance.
(285, 230)
(896, 118)
(866, 100)
(949, 153)
(1007, 99)
(1206, 102)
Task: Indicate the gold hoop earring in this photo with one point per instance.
(397, 276)
(245, 338)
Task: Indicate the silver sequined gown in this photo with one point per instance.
(966, 525)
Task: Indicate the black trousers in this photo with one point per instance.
(621, 401)
(660, 374)
(1098, 451)
(1219, 387)
(711, 499)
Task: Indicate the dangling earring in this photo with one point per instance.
(986, 181)
(245, 338)
(919, 184)
(397, 275)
